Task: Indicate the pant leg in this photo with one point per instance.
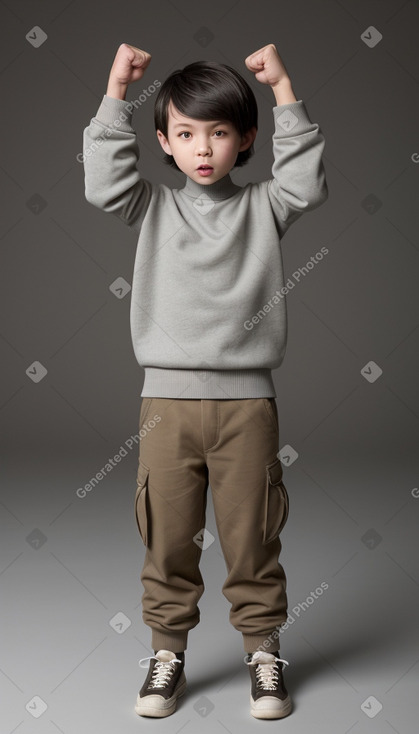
(170, 507)
(251, 507)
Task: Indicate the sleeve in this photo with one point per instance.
(110, 156)
(299, 180)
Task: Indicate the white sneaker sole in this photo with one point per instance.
(157, 705)
(270, 707)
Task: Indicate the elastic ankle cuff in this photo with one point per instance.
(267, 643)
(173, 641)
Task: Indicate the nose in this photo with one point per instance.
(202, 146)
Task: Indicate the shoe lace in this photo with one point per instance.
(267, 673)
(162, 671)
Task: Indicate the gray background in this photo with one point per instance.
(69, 564)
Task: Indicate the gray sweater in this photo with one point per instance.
(208, 318)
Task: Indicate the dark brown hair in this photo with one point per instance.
(207, 90)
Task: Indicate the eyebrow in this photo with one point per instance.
(187, 124)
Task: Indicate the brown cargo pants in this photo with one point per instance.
(187, 445)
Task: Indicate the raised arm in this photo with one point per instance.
(299, 180)
(110, 150)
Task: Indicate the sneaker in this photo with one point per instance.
(269, 698)
(164, 683)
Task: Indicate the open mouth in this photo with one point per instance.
(205, 170)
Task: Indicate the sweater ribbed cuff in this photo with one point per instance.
(116, 113)
(292, 119)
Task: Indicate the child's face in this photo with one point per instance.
(193, 143)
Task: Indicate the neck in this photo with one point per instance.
(221, 189)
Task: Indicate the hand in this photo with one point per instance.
(129, 65)
(267, 66)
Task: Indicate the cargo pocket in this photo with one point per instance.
(141, 503)
(276, 503)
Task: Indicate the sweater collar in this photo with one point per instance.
(221, 189)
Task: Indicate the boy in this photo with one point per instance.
(208, 324)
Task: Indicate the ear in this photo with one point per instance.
(248, 138)
(164, 142)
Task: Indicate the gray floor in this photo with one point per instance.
(69, 567)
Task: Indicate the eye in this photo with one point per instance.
(186, 132)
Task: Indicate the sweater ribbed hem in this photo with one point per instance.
(208, 384)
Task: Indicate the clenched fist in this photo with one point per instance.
(129, 65)
(267, 65)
